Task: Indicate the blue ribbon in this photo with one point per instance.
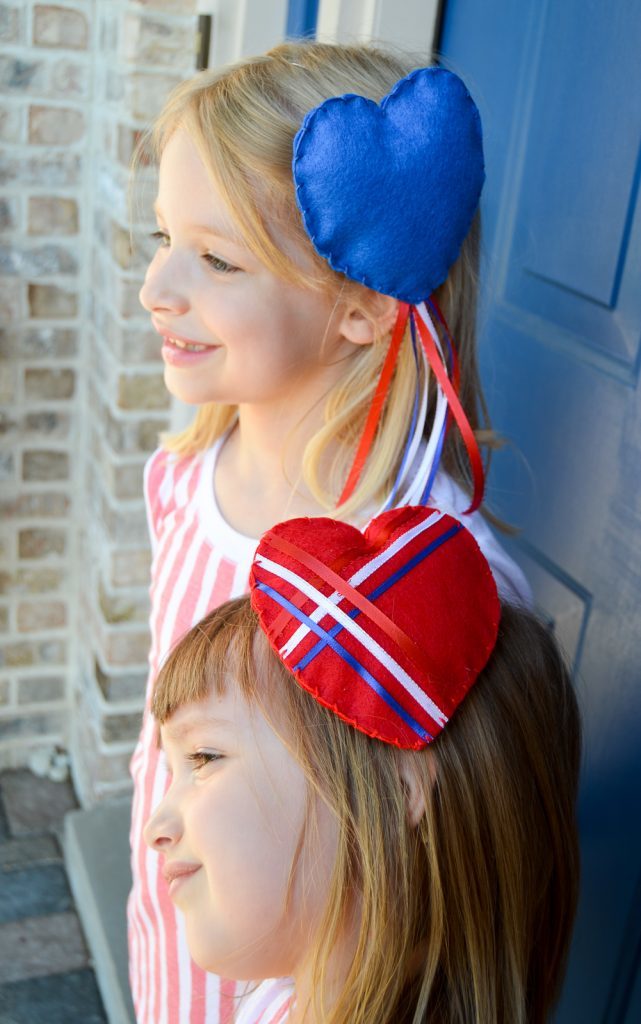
(410, 437)
(329, 640)
(382, 587)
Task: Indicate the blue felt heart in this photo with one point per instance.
(388, 192)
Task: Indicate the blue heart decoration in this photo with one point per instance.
(388, 193)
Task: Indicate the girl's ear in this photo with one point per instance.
(413, 782)
(362, 323)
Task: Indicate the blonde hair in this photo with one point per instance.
(243, 120)
(465, 918)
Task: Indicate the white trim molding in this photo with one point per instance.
(408, 24)
(242, 28)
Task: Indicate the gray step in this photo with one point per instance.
(96, 846)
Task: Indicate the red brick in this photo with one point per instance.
(55, 126)
(59, 27)
(48, 302)
(34, 616)
(40, 542)
(53, 215)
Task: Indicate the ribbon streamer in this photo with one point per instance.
(378, 401)
(427, 332)
(447, 375)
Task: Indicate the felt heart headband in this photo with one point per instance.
(389, 628)
(387, 195)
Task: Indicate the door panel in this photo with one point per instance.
(581, 152)
(559, 87)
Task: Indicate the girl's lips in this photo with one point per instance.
(177, 355)
(176, 874)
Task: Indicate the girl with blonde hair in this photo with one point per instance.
(317, 232)
(391, 825)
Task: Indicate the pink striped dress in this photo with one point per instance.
(199, 561)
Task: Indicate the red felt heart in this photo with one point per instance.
(389, 628)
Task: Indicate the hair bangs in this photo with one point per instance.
(216, 650)
(242, 132)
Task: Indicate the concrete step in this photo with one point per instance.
(96, 848)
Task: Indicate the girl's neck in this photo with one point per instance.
(335, 974)
(258, 478)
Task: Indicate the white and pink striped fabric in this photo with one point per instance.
(199, 561)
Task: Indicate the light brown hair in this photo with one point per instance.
(243, 120)
(465, 918)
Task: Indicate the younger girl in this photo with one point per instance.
(295, 249)
(316, 830)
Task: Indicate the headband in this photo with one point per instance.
(387, 194)
(390, 627)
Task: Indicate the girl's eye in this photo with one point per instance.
(201, 758)
(161, 237)
(221, 266)
(215, 262)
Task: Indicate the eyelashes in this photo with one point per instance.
(160, 237)
(201, 758)
(215, 262)
(221, 266)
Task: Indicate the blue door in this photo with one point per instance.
(301, 18)
(559, 86)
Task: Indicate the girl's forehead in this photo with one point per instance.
(185, 182)
(188, 193)
(238, 728)
(227, 713)
(194, 717)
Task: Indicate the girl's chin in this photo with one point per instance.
(192, 390)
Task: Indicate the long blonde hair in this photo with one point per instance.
(243, 120)
(465, 918)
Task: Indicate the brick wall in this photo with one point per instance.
(45, 94)
(80, 379)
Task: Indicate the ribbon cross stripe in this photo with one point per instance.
(388, 628)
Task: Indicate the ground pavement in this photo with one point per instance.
(46, 976)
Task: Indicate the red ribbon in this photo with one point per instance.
(458, 412)
(450, 389)
(378, 537)
(358, 600)
(456, 374)
(378, 401)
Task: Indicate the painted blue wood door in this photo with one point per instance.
(301, 18)
(559, 86)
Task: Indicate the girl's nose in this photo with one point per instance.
(163, 830)
(161, 292)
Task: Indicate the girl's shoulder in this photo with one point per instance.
(156, 472)
(172, 481)
(512, 585)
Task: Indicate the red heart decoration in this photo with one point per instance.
(389, 628)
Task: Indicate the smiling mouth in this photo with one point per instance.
(188, 346)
